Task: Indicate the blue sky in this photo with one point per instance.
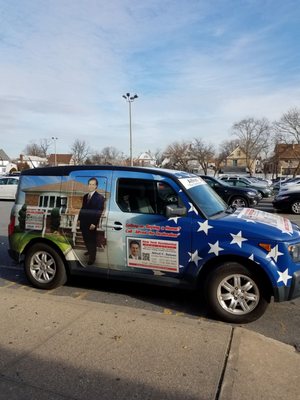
(197, 67)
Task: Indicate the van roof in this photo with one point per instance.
(67, 169)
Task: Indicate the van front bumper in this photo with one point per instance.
(284, 293)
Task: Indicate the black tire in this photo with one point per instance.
(295, 207)
(235, 294)
(239, 201)
(44, 267)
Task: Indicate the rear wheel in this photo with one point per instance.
(44, 267)
(235, 294)
(238, 201)
(295, 207)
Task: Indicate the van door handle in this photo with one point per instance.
(117, 226)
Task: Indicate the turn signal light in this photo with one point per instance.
(265, 246)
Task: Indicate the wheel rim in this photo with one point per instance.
(296, 208)
(238, 294)
(239, 202)
(43, 267)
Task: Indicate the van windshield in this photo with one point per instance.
(205, 197)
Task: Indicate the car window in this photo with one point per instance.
(241, 184)
(12, 181)
(145, 196)
(3, 181)
(231, 182)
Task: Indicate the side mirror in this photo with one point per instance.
(172, 210)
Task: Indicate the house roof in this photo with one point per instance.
(233, 154)
(60, 158)
(284, 150)
(3, 156)
(146, 156)
(26, 157)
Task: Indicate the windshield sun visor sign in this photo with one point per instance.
(191, 182)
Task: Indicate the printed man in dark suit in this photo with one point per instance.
(89, 217)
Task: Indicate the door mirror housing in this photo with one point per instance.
(172, 210)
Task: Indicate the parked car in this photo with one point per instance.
(264, 181)
(233, 196)
(245, 179)
(265, 191)
(153, 226)
(277, 186)
(289, 187)
(8, 187)
(288, 201)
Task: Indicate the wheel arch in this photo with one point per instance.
(214, 263)
(50, 243)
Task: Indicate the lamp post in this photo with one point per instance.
(55, 155)
(129, 100)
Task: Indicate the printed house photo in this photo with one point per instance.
(53, 210)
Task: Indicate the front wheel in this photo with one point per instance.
(238, 202)
(235, 294)
(44, 267)
(295, 207)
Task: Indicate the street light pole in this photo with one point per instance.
(129, 100)
(55, 156)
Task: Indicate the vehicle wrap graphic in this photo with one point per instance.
(51, 207)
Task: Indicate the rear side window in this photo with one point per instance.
(145, 196)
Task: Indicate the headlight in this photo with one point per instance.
(294, 250)
(252, 194)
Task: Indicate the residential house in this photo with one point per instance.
(60, 159)
(146, 160)
(236, 162)
(6, 166)
(285, 160)
(27, 161)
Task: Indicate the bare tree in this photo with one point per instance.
(288, 127)
(178, 156)
(203, 153)
(159, 157)
(44, 146)
(253, 135)
(287, 130)
(33, 149)
(80, 151)
(107, 156)
(112, 156)
(38, 150)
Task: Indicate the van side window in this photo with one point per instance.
(144, 196)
